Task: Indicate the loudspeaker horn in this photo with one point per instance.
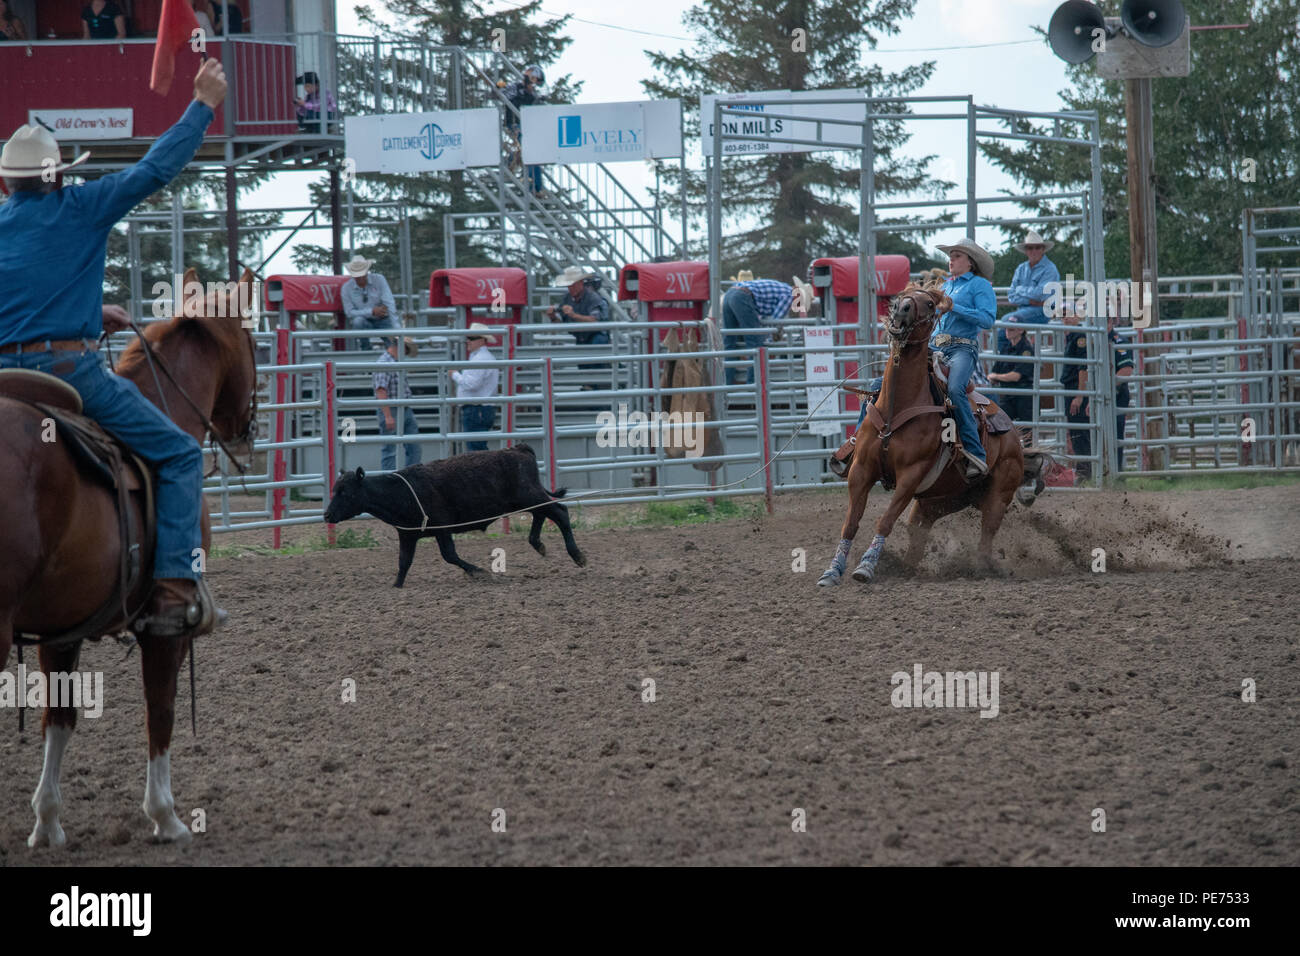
(1071, 28)
(1153, 22)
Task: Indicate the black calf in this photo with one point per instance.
(464, 493)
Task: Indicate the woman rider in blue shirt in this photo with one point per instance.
(974, 307)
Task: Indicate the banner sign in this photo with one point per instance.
(820, 367)
(833, 135)
(601, 132)
(423, 142)
(85, 124)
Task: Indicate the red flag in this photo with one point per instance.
(175, 27)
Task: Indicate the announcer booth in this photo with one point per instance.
(665, 292)
(836, 283)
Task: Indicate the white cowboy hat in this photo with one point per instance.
(744, 275)
(31, 151)
(982, 260)
(358, 267)
(803, 295)
(571, 275)
(486, 332)
(1034, 239)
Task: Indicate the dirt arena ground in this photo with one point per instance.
(1119, 691)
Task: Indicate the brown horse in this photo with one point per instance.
(909, 449)
(61, 557)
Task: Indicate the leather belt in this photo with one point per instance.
(943, 341)
(57, 345)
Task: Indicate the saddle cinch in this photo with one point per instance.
(105, 460)
(997, 423)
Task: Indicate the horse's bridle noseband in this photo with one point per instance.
(901, 336)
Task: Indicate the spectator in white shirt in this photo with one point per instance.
(477, 383)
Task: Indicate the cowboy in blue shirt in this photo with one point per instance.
(1027, 289)
(53, 241)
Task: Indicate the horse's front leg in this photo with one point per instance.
(58, 723)
(862, 476)
(160, 660)
(908, 481)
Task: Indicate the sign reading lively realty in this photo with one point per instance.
(601, 132)
(756, 123)
(423, 142)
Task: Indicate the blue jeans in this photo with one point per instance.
(127, 415)
(371, 322)
(477, 418)
(388, 454)
(739, 311)
(961, 365)
(1025, 315)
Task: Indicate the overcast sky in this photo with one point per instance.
(610, 38)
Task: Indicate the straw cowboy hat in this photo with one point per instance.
(803, 295)
(32, 151)
(982, 260)
(358, 267)
(1034, 239)
(485, 332)
(744, 275)
(409, 345)
(571, 275)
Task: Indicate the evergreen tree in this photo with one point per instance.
(782, 211)
(415, 79)
(1236, 105)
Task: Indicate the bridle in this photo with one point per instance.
(248, 435)
(901, 336)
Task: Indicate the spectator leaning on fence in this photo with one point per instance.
(367, 300)
(752, 302)
(477, 383)
(1026, 291)
(386, 387)
(1123, 370)
(1075, 378)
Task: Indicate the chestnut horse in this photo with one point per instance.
(912, 448)
(61, 557)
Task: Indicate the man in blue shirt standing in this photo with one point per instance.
(1026, 291)
(974, 306)
(53, 240)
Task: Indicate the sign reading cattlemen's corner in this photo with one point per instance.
(601, 132)
(85, 124)
(423, 142)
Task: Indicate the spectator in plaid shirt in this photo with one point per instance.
(751, 302)
(385, 381)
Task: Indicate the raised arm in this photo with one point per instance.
(111, 197)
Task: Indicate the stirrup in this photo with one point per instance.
(200, 616)
(976, 468)
(842, 457)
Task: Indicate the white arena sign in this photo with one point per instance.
(788, 103)
(601, 132)
(423, 142)
(85, 124)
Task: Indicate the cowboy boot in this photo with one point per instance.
(842, 458)
(181, 607)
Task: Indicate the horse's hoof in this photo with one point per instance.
(51, 836)
(829, 579)
(173, 832)
(863, 575)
